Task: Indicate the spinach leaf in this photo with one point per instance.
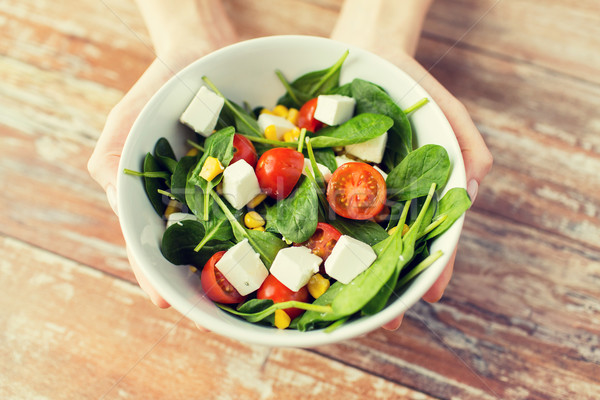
(371, 98)
(326, 157)
(255, 316)
(298, 214)
(153, 185)
(164, 155)
(180, 239)
(344, 90)
(358, 129)
(453, 204)
(415, 174)
(311, 84)
(216, 229)
(312, 319)
(179, 179)
(366, 231)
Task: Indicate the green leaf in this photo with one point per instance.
(262, 314)
(358, 129)
(164, 155)
(326, 157)
(298, 214)
(371, 98)
(453, 204)
(180, 239)
(153, 185)
(366, 231)
(312, 319)
(179, 178)
(415, 174)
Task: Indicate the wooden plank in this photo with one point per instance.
(68, 331)
(557, 35)
(520, 319)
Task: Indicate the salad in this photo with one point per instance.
(308, 214)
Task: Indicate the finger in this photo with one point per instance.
(394, 324)
(145, 284)
(436, 291)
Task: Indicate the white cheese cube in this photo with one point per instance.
(371, 150)
(242, 267)
(381, 172)
(282, 125)
(240, 184)
(349, 258)
(178, 217)
(294, 266)
(323, 169)
(341, 160)
(203, 112)
(334, 109)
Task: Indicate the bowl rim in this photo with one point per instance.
(274, 337)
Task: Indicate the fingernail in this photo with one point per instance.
(472, 188)
(111, 195)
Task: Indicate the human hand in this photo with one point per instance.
(400, 24)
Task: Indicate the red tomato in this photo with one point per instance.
(214, 284)
(278, 171)
(322, 241)
(357, 191)
(306, 116)
(244, 149)
(279, 293)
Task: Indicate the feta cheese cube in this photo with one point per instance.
(341, 160)
(323, 169)
(240, 184)
(294, 266)
(371, 150)
(334, 109)
(203, 112)
(381, 172)
(282, 125)
(349, 258)
(177, 217)
(242, 267)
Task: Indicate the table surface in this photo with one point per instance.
(520, 319)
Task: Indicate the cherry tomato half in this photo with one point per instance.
(321, 243)
(306, 116)
(279, 293)
(357, 191)
(278, 171)
(214, 284)
(244, 150)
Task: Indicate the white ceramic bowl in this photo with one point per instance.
(245, 72)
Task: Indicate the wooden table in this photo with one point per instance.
(520, 319)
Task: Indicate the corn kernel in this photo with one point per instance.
(253, 220)
(280, 111)
(192, 152)
(219, 188)
(173, 207)
(193, 269)
(293, 116)
(211, 168)
(405, 229)
(291, 135)
(259, 228)
(257, 200)
(271, 132)
(282, 320)
(393, 230)
(317, 285)
(266, 111)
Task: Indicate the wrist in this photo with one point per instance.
(386, 26)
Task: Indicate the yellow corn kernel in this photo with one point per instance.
(211, 168)
(253, 220)
(266, 111)
(317, 285)
(280, 111)
(193, 269)
(271, 132)
(173, 207)
(192, 152)
(257, 200)
(405, 229)
(293, 116)
(393, 230)
(291, 135)
(219, 188)
(259, 228)
(282, 320)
